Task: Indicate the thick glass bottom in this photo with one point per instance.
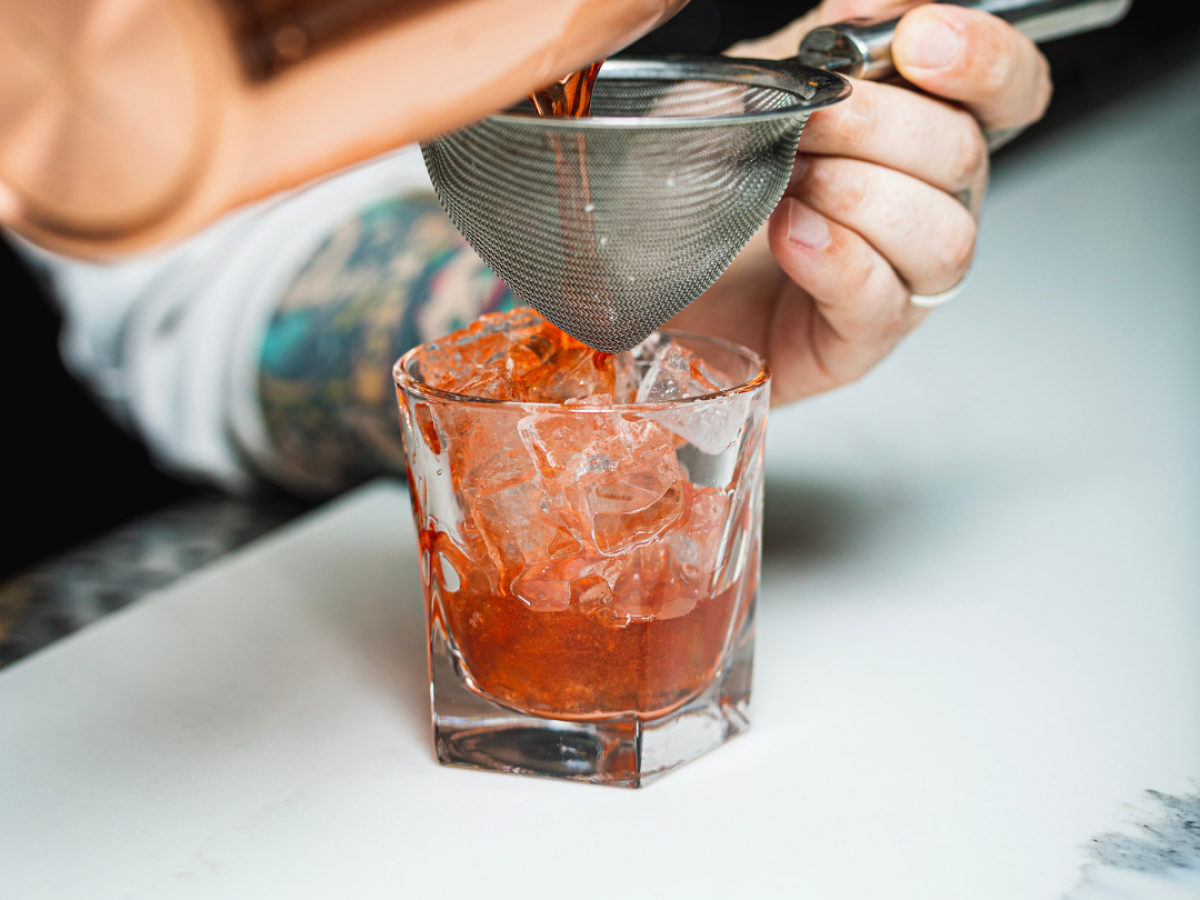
(474, 732)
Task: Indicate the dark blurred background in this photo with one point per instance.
(73, 474)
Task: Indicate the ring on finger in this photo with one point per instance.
(929, 301)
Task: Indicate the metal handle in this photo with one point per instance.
(862, 48)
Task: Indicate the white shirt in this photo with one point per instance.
(169, 342)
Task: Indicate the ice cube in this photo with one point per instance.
(666, 579)
(650, 588)
(713, 427)
(519, 355)
(695, 542)
(518, 526)
(595, 598)
(636, 502)
(543, 588)
(490, 384)
(550, 586)
(573, 373)
(485, 454)
(676, 374)
(561, 441)
(592, 593)
(464, 354)
(618, 475)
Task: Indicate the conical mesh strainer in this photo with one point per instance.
(610, 225)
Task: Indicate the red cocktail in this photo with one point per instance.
(589, 545)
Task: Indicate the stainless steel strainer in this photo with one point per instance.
(610, 225)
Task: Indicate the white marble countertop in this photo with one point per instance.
(978, 644)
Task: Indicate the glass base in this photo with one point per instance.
(474, 732)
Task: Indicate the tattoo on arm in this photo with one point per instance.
(395, 275)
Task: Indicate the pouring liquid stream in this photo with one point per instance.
(571, 96)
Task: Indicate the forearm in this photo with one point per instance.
(393, 276)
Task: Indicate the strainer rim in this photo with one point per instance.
(826, 88)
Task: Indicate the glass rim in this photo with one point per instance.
(414, 387)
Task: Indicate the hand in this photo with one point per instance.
(883, 201)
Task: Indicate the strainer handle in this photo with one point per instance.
(862, 48)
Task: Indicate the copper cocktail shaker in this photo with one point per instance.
(129, 123)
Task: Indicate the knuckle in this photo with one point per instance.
(857, 275)
(827, 187)
(958, 251)
(845, 191)
(875, 316)
(971, 154)
(859, 123)
(888, 316)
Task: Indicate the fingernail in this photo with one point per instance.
(806, 226)
(934, 46)
(799, 167)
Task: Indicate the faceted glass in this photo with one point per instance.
(589, 566)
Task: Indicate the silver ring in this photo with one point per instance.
(929, 301)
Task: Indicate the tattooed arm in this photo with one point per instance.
(261, 348)
(395, 275)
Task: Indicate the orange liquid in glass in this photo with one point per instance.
(575, 665)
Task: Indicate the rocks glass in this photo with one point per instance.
(589, 566)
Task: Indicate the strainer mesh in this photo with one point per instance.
(610, 231)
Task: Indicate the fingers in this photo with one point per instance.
(858, 310)
(976, 59)
(894, 127)
(927, 235)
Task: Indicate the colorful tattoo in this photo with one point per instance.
(394, 276)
